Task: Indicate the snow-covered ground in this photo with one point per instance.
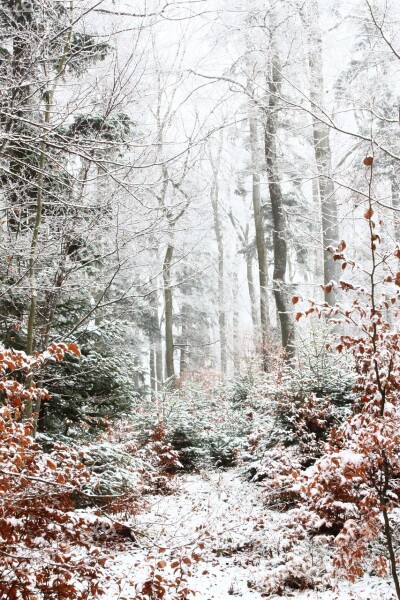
(220, 518)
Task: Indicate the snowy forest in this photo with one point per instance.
(199, 299)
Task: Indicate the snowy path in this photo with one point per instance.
(218, 510)
(222, 518)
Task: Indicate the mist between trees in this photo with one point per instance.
(199, 246)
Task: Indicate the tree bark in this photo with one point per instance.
(277, 205)
(183, 360)
(236, 333)
(169, 338)
(260, 237)
(243, 235)
(155, 341)
(221, 273)
(152, 368)
(318, 255)
(322, 150)
(252, 294)
(391, 551)
(159, 361)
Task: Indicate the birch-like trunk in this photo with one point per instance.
(156, 368)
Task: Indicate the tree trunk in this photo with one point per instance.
(322, 151)
(22, 172)
(260, 238)
(277, 205)
(159, 361)
(396, 205)
(318, 255)
(169, 338)
(183, 358)
(184, 340)
(33, 255)
(236, 334)
(152, 368)
(156, 343)
(391, 549)
(221, 279)
(252, 295)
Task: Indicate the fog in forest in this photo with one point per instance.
(199, 299)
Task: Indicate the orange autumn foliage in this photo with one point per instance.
(46, 545)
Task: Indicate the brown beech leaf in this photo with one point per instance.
(295, 299)
(368, 213)
(368, 160)
(74, 349)
(175, 564)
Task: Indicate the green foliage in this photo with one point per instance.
(309, 397)
(116, 127)
(85, 50)
(239, 389)
(320, 370)
(89, 392)
(201, 422)
(115, 469)
(296, 406)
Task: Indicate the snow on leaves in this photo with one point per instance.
(354, 486)
(45, 544)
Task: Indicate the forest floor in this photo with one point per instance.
(235, 541)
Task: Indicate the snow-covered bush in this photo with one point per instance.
(354, 485)
(274, 476)
(294, 409)
(201, 422)
(115, 469)
(126, 467)
(47, 547)
(91, 392)
(311, 395)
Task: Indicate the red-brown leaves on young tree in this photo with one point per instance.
(355, 484)
(45, 544)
